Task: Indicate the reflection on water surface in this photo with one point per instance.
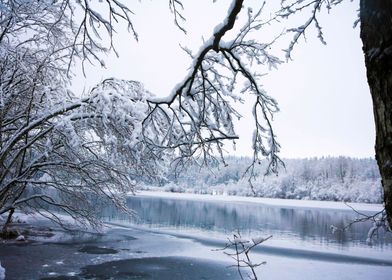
(309, 225)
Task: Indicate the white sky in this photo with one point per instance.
(323, 95)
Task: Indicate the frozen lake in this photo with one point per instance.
(309, 227)
(302, 237)
(176, 236)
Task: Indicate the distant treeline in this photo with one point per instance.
(327, 178)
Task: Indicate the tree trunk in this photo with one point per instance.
(376, 35)
(9, 220)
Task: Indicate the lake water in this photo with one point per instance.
(310, 227)
(303, 245)
(179, 237)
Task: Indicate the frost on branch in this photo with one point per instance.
(239, 249)
(294, 7)
(77, 155)
(57, 151)
(378, 219)
(200, 112)
(176, 7)
(66, 30)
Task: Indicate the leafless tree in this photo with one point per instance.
(61, 151)
(76, 155)
(202, 107)
(51, 138)
(239, 249)
(378, 219)
(58, 151)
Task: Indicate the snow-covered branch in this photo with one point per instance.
(239, 249)
(200, 112)
(291, 8)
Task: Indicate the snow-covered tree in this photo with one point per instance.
(57, 150)
(202, 106)
(84, 149)
(309, 178)
(73, 153)
(51, 139)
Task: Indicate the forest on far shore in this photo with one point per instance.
(327, 178)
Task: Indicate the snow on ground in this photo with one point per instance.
(40, 229)
(287, 203)
(32, 218)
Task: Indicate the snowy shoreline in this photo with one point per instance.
(287, 203)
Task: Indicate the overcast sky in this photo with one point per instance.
(323, 95)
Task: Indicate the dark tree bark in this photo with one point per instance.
(376, 35)
(8, 221)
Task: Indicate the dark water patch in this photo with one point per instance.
(80, 238)
(32, 261)
(159, 268)
(140, 252)
(90, 249)
(127, 238)
(62, 277)
(166, 268)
